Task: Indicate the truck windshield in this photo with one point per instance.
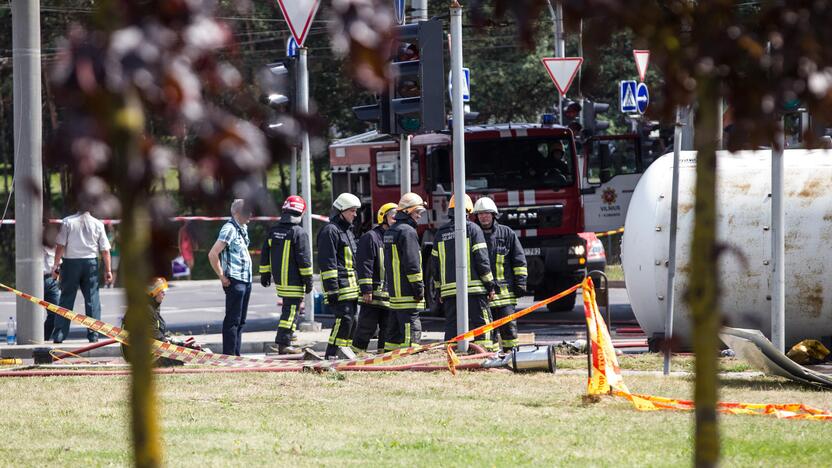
(519, 164)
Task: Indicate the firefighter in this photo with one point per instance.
(336, 254)
(403, 274)
(286, 258)
(375, 303)
(480, 280)
(508, 264)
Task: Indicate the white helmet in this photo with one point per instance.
(345, 201)
(409, 202)
(485, 205)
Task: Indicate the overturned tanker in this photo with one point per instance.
(744, 227)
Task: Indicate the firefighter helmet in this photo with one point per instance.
(469, 205)
(382, 212)
(346, 201)
(485, 205)
(294, 203)
(158, 285)
(410, 202)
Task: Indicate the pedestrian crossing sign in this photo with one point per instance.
(628, 97)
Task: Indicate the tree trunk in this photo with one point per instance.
(135, 245)
(702, 295)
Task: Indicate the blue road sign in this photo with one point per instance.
(291, 47)
(642, 97)
(398, 5)
(627, 96)
(466, 88)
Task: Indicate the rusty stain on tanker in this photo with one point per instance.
(812, 189)
(811, 298)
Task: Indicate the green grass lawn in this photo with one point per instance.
(394, 419)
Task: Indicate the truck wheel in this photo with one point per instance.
(563, 305)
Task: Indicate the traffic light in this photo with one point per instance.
(593, 126)
(277, 82)
(417, 86)
(378, 113)
(572, 116)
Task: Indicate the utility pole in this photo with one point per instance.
(306, 184)
(461, 254)
(28, 170)
(419, 10)
(778, 254)
(293, 172)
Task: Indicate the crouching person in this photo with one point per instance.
(158, 327)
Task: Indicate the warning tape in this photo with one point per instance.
(609, 233)
(188, 218)
(606, 378)
(181, 353)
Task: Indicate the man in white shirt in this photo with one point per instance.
(79, 242)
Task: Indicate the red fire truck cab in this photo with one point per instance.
(530, 170)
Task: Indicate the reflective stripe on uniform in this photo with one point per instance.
(406, 302)
(415, 277)
(481, 245)
(329, 274)
(397, 282)
(284, 264)
(334, 332)
(363, 281)
(500, 267)
(521, 271)
(290, 322)
(305, 271)
(267, 268)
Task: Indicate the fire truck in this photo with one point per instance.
(530, 170)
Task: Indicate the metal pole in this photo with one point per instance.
(293, 172)
(461, 254)
(419, 10)
(28, 177)
(671, 262)
(306, 184)
(778, 283)
(404, 163)
(560, 45)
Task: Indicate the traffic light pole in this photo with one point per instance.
(404, 163)
(293, 172)
(461, 254)
(306, 184)
(28, 176)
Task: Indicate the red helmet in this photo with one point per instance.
(294, 203)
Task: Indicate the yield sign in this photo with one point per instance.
(563, 71)
(642, 59)
(299, 14)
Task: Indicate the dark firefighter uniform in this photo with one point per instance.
(480, 279)
(286, 255)
(404, 282)
(370, 271)
(336, 254)
(508, 264)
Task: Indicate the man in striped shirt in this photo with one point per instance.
(231, 262)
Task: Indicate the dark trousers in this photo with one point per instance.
(478, 315)
(370, 318)
(342, 331)
(288, 320)
(52, 295)
(404, 329)
(236, 308)
(78, 273)
(508, 332)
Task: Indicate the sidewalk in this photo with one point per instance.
(259, 342)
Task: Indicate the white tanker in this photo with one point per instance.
(744, 204)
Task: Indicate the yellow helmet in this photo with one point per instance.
(410, 202)
(382, 212)
(158, 285)
(469, 205)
